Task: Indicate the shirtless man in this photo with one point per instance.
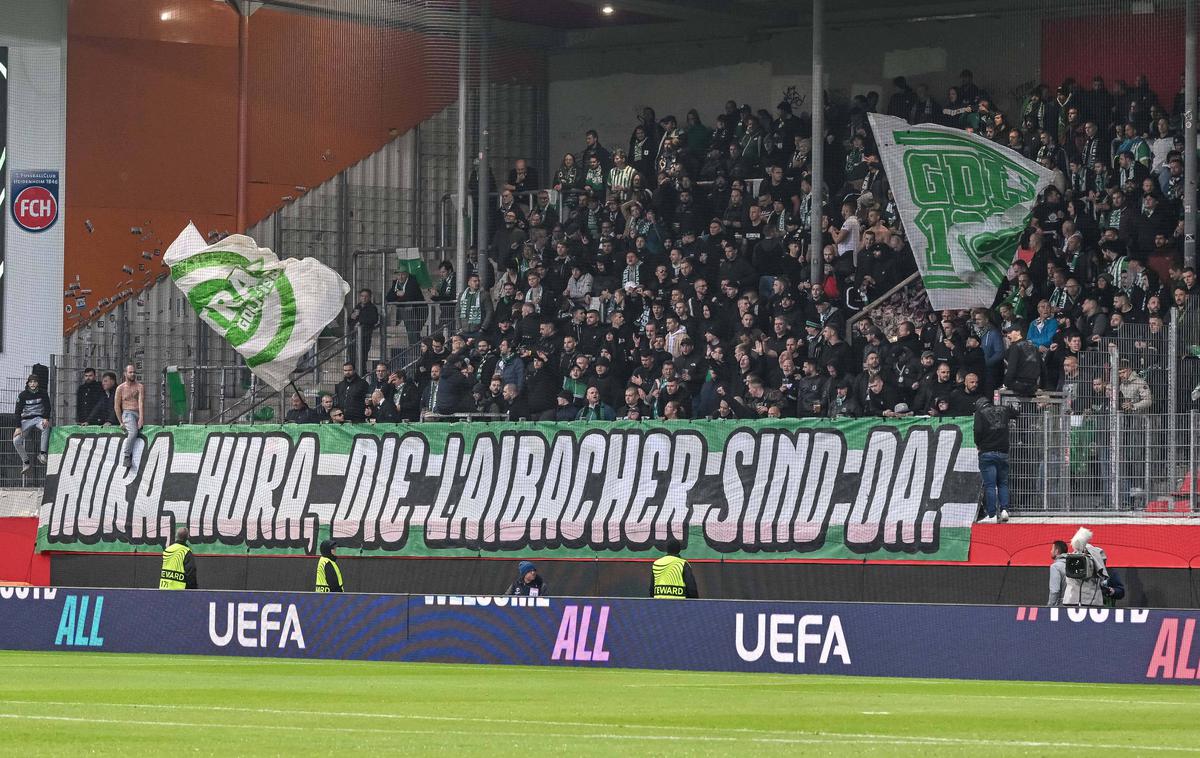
(129, 402)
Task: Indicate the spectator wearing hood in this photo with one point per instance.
(528, 582)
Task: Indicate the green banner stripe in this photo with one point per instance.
(955, 539)
(210, 259)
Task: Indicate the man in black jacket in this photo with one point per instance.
(964, 397)
(350, 394)
(1022, 362)
(405, 396)
(405, 293)
(379, 380)
(880, 398)
(299, 413)
(363, 320)
(454, 390)
(87, 395)
(103, 412)
(991, 443)
(541, 389)
(381, 409)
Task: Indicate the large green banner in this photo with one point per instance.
(760, 490)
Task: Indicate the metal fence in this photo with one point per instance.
(1079, 455)
(402, 325)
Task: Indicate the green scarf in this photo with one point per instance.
(470, 309)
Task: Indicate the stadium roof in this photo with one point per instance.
(580, 22)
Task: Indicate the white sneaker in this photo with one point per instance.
(1003, 517)
(25, 467)
(987, 520)
(42, 458)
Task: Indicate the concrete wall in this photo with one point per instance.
(600, 80)
(35, 34)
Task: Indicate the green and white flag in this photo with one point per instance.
(409, 259)
(176, 392)
(964, 202)
(270, 310)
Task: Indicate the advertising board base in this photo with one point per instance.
(732, 580)
(864, 639)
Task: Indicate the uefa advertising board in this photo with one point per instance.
(865, 639)
(761, 490)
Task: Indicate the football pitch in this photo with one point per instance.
(71, 704)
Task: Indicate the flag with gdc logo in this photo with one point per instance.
(964, 202)
(270, 310)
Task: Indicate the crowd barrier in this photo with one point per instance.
(904, 640)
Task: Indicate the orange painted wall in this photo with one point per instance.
(152, 132)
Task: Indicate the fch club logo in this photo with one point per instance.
(34, 199)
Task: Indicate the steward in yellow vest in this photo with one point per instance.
(673, 579)
(329, 576)
(178, 564)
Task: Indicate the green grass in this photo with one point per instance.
(103, 704)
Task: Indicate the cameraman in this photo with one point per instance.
(1085, 585)
(1058, 572)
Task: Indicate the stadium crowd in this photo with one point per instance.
(668, 276)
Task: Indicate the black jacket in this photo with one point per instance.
(1022, 368)
(103, 411)
(991, 428)
(86, 397)
(407, 399)
(407, 292)
(962, 403)
(300, 416)
(366, 316)
(331, 577)
(189, 572)
(351, 396)
(33, 404)
(519, 587)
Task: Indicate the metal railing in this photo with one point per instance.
(318, 363)
(11, 474)
(480, 416)
(1064, 460)
(401, 324)
(907, 290)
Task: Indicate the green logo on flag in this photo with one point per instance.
(965, 195)
(964, 203)
(236, 304)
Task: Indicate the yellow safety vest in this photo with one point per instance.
(322, 585)
(172, 577)
(668, 578)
